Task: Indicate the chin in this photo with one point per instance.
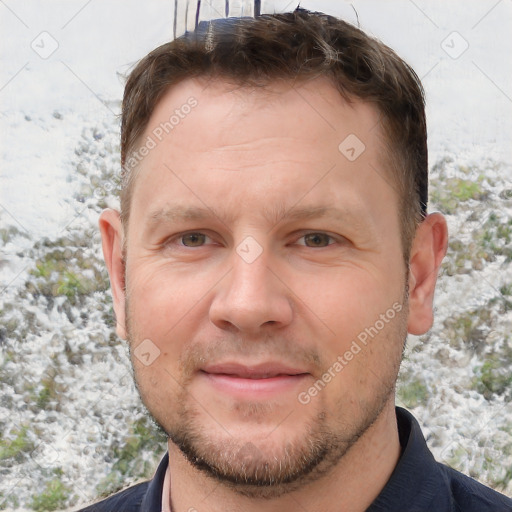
(260, 458)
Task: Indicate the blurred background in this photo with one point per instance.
(71, 424)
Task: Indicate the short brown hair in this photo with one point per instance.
(299, 45)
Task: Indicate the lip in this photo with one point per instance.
(261, 381)
(260, 371)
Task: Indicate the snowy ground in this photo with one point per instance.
(66, 391)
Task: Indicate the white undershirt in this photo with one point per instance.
(166, 503)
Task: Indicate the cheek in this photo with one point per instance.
(363, 318)
(368, 364)
(160, 297)
(165, 310)
(351, 300)
(160, 389)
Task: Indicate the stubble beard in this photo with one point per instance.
(257, 469)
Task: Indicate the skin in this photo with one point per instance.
(253, 160)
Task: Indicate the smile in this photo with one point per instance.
(253, 382)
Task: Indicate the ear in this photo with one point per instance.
(112, 243)
(427, 252)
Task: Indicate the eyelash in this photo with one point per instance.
(179, 238)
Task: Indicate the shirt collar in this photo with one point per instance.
(416, 480)
(152, 501)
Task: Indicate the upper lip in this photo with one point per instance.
(259, 371)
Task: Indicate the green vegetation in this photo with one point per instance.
(456, 191)
(451, 186)
(64, 291)
(15, 444)
(70, 285)
(496, 236)
(506, 289)
(144, 437)
(10, 501)
(486, 232)
(456, 456)
(54, 496)
(66, 269)
(10, 232)
(469, 329)
(489, 240)
(494, 377)
(504, 299)
(45, 268)
(502, 483)
(47, 393)
(412, 392)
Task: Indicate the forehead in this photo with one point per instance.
(212, 140)
(315, 105)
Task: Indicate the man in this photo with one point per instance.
(272, 252)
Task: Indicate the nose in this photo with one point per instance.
(251, 298)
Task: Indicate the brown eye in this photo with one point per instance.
(193, 239)
(317, 240)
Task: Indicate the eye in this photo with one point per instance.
(193, 239)
(189, 243)
(317, 240)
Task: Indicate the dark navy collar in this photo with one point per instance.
(152, 501)
(416, 479)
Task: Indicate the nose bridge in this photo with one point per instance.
(251, 296)
(251, 279)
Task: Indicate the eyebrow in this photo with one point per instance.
(179, 213)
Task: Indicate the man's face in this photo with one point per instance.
(259, 255)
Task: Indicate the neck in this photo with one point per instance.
(351, 486)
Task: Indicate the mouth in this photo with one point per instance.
(254, 381)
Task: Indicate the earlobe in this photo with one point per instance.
(427, 253)
(112, 243)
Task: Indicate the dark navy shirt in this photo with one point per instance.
(418, 484)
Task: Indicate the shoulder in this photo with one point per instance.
(419, 483)
(129, 500)
(143, 497)
(468, 495)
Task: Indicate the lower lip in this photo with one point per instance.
(254, 388)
